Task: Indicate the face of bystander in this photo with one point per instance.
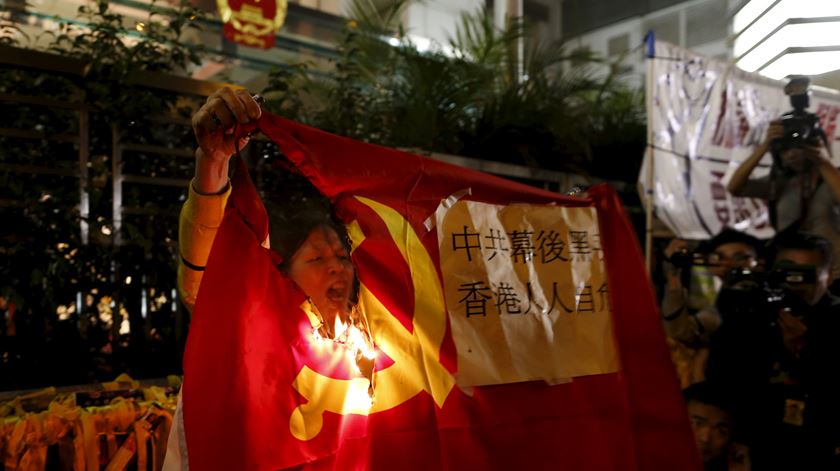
(730, 255)
(811, 293)
(712, 428)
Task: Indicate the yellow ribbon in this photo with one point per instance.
(25, 437)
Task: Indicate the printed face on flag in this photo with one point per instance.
(322, 269)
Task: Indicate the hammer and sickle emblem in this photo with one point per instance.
(416, 366)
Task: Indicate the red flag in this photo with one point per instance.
(261, 392)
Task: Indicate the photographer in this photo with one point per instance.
(689, 320)
(802, 189)
(778, 351)
(727, 250)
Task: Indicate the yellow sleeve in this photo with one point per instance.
(200, 218)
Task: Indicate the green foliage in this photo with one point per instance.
(288, 87)
(44, 262)
(117, 51)
(472, 97)
(111, 44)
(382, 17)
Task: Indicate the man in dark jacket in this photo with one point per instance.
(778, 351)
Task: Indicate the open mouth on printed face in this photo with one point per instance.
(338, 293)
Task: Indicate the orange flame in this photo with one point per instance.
(357, 344)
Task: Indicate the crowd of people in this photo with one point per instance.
(754, 326)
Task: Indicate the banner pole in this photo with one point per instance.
(649, 86)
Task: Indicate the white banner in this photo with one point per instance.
(705, 117)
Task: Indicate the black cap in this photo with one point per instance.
(798, 85)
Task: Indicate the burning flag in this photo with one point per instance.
(499, 327)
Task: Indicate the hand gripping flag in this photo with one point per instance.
(514, 328)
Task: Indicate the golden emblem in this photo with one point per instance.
(249, 21)
(416, 366)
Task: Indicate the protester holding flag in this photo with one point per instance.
(202, 213)
(312, 246)
(210, 188)
(313, 253)
(268, 384)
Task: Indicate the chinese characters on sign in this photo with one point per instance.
(507, 301)
(526, 291)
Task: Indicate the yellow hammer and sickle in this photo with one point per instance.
(416, 365)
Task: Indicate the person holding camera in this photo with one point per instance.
(778, 352)
(802, 189)
(689, 320)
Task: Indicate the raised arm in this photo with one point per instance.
(213, 126)
(742, 173)
(202, 213)
(676, 320)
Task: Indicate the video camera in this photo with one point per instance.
(685, 259)
(801, 128)
(756, 297)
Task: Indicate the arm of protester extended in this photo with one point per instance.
(741, 176)
(200, 218)
(214, 126)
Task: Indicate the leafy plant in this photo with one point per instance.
(45, 263)
(117, 51)
(474, 96)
